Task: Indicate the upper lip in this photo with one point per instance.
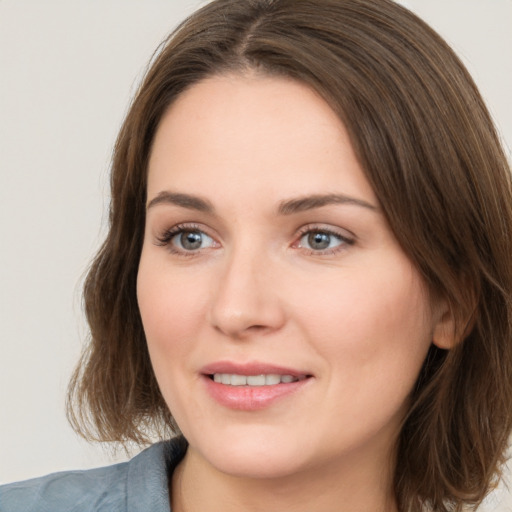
(250, 368)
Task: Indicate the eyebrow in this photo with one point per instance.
(302, 204)
(184, 200)
(287, 207)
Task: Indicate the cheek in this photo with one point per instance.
(170, 306)
(365, 305)
(373, 335)
(374, 328)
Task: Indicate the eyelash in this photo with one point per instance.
(166, 238)
(309, 229)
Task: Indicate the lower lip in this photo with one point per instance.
(251, 398)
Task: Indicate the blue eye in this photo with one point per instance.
(191, 240)
(318, 240)
(185, 240)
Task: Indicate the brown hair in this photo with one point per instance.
(428, 147)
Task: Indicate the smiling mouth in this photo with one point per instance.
(233, 379)
(253, 386)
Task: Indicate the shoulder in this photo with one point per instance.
(84, 491)
(137, 485)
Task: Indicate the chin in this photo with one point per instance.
(253, 455)
(247, 464)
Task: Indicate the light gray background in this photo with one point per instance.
(67, 72)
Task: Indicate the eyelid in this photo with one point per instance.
(348, 238)
(164, 239)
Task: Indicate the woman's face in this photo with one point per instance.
(267, 260)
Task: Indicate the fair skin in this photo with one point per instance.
(239, 275)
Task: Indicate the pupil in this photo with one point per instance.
(319, 240)
(191, 240)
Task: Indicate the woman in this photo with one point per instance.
(307, 274)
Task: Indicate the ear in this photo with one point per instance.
(444, 335)
(450, 328)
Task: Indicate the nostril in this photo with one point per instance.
(257, 327)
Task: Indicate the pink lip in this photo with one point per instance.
(250, 398)
(252, 368)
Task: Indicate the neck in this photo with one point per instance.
(356, 485)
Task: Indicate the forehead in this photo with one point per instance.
(253, 132)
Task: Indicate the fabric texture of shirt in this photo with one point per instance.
(139, 485)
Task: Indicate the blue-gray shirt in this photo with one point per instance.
(140, 485)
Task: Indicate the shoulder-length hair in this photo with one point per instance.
(428, 147)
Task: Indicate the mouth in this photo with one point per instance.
(270, 379)
(252, 386)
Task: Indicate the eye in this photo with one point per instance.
(191, 240)
(186, 240)
(321, 240)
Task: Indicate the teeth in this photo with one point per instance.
(253, 380)
(237, 380)
(272, 379)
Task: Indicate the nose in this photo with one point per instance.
(246, 299)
